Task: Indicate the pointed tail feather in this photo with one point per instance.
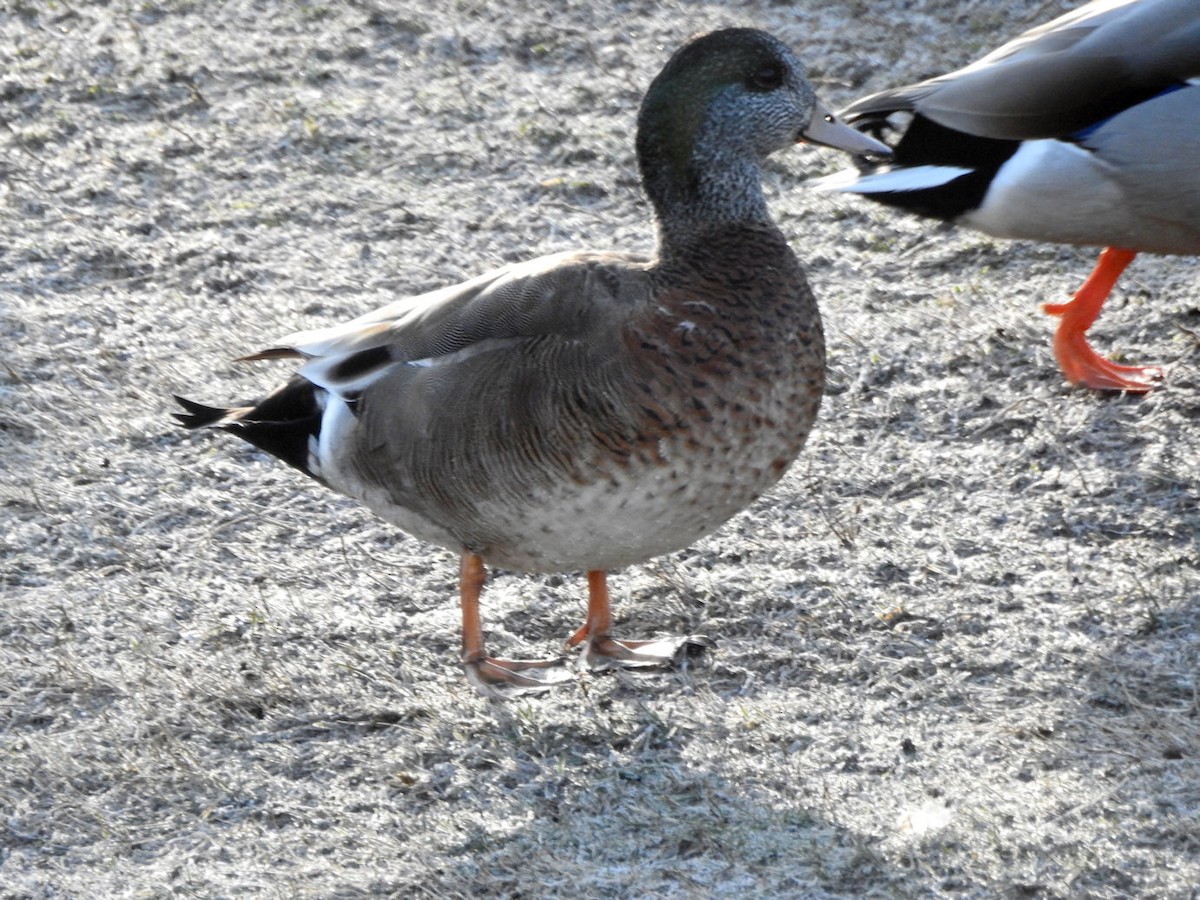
(197, 415)
(286, 423)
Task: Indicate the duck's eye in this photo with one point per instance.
(767, 77)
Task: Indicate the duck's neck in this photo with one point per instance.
(715, 188)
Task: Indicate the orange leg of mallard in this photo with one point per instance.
(605, 652)
(1078, 361)
(497, 677)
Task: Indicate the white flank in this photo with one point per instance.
(1052, 191)
(336, 423)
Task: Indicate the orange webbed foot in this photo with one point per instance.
(1080, 364)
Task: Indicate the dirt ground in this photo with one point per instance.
(958, 644)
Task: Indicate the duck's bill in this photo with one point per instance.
(827, 130)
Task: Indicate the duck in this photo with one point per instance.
(1083, 131)
(589, 410)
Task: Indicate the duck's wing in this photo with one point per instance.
(1066, 75)
(518, 344)
(571, 295)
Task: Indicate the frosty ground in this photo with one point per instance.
(958, 644)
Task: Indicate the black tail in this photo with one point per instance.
(285, 423)
(198, 415)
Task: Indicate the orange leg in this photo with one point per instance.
(497, 677)
(605, 652)
(471, 576)
(599, 613)
(1081, 364)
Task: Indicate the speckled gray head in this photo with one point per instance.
(738, 93)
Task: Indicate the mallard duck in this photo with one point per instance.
(588, 410)
(1084, 131)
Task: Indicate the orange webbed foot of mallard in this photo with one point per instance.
(1081, 364)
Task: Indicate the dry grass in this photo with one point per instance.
(958, 645)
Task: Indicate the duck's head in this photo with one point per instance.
(725, 99)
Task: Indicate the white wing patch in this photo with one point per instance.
(890, 181)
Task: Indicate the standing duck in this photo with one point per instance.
(1084, 131)
(588, 410)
